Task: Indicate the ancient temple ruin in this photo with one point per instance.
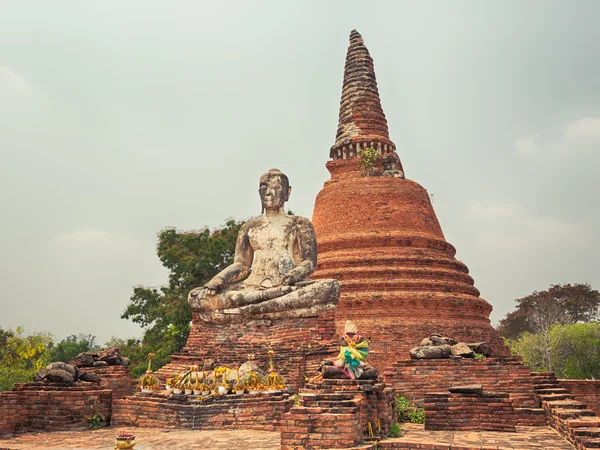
(383, 264)
(379, 236)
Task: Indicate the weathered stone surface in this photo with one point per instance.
(466, 389)
(250, 366)
(58, 376)
(110, 355)
(425, 342)
(461, 349)
(82, 360)
(100, 364)
(63, 366)
(431, 352)
(90, 377)
(39, 375)
(125, 361)
(482, 348)
(438, 339)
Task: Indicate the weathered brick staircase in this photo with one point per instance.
(338, 414)
(571, 418)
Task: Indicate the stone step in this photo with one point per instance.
(340, 410)
(573, 413)
(552, 397)
(590, 442)
(584, 422)
(593, 432)
(546, 386)
(556, 390)
(328, 404)
(542, 374)
(565, 404)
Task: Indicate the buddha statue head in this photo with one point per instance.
(274, 190)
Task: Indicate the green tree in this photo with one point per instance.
(559, 304)
(21, 355)
(574, 351)
(71, 346)
(192, 258)
(530, 347)
(577, 353)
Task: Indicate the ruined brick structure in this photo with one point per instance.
(299, 345)
(244, 412)
(379, 236)
(338, 414)
(479, 411)
(39, 407)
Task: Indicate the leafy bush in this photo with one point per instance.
(409, 412)
(96, 420)
(395, 430)
(11, 375)
(367, 157)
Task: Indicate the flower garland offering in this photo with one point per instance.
(353, 355)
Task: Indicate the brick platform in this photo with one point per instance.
(299, 345)
(231, 412)
(115, 378)
(38, 407)
(337, 414)
(414, 378)
(485, 411)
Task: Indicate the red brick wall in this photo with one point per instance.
(336, 414)
(115, 378)
(585, 391)
(399, 279)
(10, 412)
(250, 412)
(52, 408)
(478, 412)
(299, 345)
(417, 377)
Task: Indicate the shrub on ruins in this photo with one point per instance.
(407, 411)
(21, 355)
(192, 259)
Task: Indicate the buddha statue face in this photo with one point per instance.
(274, 190)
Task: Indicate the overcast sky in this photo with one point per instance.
(120, 118)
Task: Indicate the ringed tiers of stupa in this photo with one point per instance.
(379, 236)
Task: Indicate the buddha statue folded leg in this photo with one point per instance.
(302, 297)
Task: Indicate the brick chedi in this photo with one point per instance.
(379, 236)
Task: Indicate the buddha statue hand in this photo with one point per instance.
(291, 279)
(214, 286)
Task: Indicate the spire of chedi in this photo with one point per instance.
(361, 121)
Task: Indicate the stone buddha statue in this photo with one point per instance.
(275, 253)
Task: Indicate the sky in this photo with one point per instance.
(120, 118)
